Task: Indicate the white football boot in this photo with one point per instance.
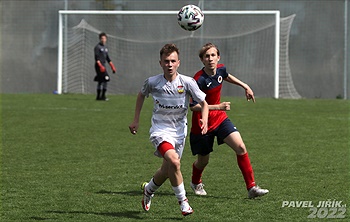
(256, 191)
(198, 189)
(146, 199)
(185, 207)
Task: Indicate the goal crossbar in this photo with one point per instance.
(214, 12)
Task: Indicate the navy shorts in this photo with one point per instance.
(203, 144)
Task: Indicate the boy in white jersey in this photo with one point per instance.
(170, 92)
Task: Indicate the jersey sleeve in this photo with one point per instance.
(223, 73)
(193, 102)
(146, 88)
(196, 94)
(107, 58)
(97, 53)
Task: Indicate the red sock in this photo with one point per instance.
(247, 170)
(196, 175)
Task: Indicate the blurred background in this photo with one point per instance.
(318, 49)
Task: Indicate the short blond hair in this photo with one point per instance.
(206, 47)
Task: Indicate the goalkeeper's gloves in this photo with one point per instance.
(112, 67)
(102, 68)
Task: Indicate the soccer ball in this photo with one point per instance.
(190, 17)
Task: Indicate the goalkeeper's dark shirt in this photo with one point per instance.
(101, 53)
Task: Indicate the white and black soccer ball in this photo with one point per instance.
(190, 17)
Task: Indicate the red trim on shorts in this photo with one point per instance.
(164, 147)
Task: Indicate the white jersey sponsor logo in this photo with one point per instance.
(171, 101)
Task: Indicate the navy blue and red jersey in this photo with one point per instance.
(211, 86)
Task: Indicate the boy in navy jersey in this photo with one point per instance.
(209, 80)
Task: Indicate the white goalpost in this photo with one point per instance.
(251, 38)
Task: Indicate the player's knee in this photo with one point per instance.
(240, 149)
(202, 162)
(175, 164)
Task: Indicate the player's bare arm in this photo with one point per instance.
(133, 127)
(224, 106)
(248, 91)
(205, 113)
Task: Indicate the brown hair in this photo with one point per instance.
(102, 34)
(206, 47)
(168, 49)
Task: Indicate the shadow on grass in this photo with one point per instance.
(42, 218)
(173, 218)
(133, 193)
(210, 196)
(126, 214)
(162, 193)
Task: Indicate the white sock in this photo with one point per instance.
(151, 187)
(180, 192)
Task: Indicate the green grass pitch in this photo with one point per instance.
(71, 158)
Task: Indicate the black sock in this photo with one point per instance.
(104, 93)
(98, 94)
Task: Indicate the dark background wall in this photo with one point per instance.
(29, 40)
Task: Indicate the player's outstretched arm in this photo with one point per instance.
(225, 106)
(204, 119)
(134, 126)
(248, 91)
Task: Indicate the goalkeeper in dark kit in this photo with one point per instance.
(101, 57)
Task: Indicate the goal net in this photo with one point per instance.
(253, 46)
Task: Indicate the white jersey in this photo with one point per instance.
(171, 102)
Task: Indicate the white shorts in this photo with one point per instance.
(178, 143)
